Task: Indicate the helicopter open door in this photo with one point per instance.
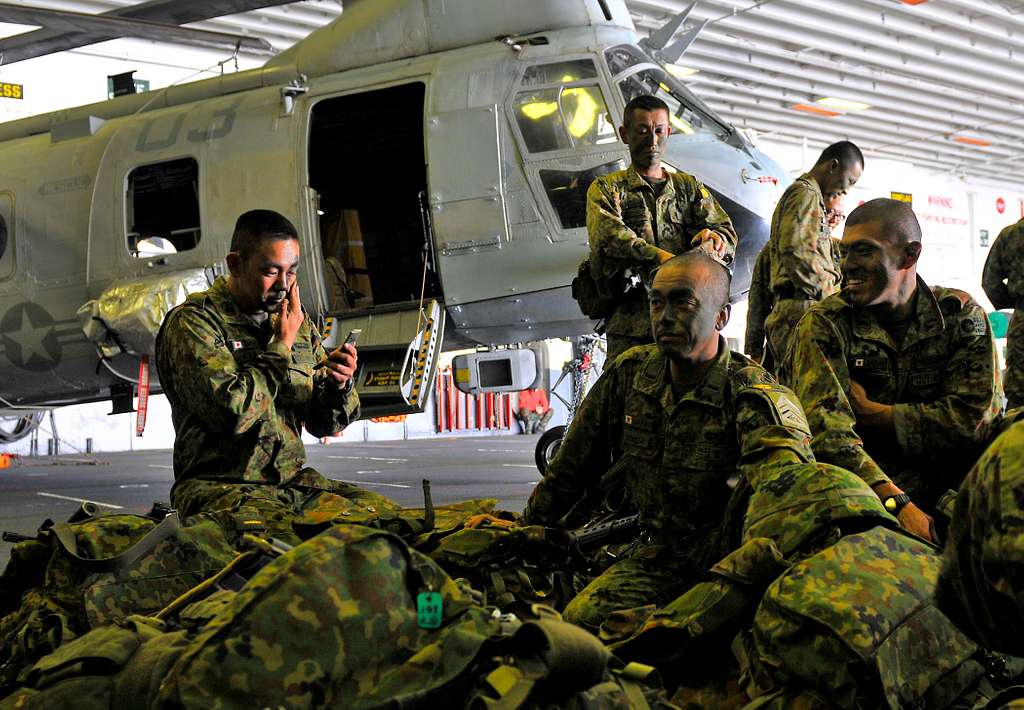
(374, 259)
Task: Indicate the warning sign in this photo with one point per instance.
(383, 378)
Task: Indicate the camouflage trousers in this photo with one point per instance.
(532, 422)
(1013, 384)
(618, 344)
(780, 325)
(275, 508)
(651, 576)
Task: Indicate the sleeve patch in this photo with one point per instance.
(973, 325)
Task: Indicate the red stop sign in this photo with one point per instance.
(1000, 205)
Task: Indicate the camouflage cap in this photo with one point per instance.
(982, 582)
(794, 501)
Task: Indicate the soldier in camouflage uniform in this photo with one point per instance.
(681, 417)
(760, 301)
(803, 268)
(759, 305)
(898, 378)
(237, 364)
(1003, 281)
(982, 582)
(640, 217)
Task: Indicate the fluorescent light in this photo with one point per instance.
(679, 71)
(971, 140)
(817, 110)
(843, 104)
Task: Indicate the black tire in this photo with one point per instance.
(547, 446)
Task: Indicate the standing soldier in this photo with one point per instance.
(759, 299)
(803, 265)
(1003, 281)
(642, 216)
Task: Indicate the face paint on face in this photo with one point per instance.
(685, 313)
(262, 281)
(870, 265)
(646, 135)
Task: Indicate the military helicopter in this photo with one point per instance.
(435, 157)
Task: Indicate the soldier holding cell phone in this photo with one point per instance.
(245, 371)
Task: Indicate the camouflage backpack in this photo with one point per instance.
(352, 618)
(856, 623)
(73, 577)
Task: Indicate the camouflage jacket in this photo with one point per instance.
(1003, 276)
(239, 398)
(802, 260)
(678, 456)
(759, 305)
(980, 586)
(625, 234)
(942, 380)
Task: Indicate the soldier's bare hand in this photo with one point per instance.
(869, 413)
(714, 242)
(342, 364)
(916, 521)
(289, 318)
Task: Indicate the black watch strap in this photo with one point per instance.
(894, 504)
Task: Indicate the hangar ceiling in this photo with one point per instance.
(942, 80)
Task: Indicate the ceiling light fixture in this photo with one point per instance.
(971, 140)
(843, 104)
(817, 110)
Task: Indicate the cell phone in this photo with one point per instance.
(353, 336)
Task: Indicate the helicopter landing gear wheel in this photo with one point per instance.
(547, 446)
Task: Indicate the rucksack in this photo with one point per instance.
(856, 623)
(351, 618)
(73, 577)
(593, 293)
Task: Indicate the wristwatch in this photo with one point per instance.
(894, 504)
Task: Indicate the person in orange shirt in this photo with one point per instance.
(534, 410)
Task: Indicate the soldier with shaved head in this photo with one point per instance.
(680, 419)
(898, 378)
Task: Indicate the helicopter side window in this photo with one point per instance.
(3, 236)
(563, 108)
(162, 208)
(567, 190)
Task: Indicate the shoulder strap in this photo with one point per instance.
(65, 536)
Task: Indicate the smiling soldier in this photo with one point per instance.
(898, 378)
(681, 418)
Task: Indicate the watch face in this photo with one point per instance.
(890, 504)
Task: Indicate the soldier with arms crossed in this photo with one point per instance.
(897, 377)
(238, 363)
(680, 418)
(642, 216)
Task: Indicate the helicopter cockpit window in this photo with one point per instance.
(162, 208)
(567, 191)
(637, 74)
(561, 107)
